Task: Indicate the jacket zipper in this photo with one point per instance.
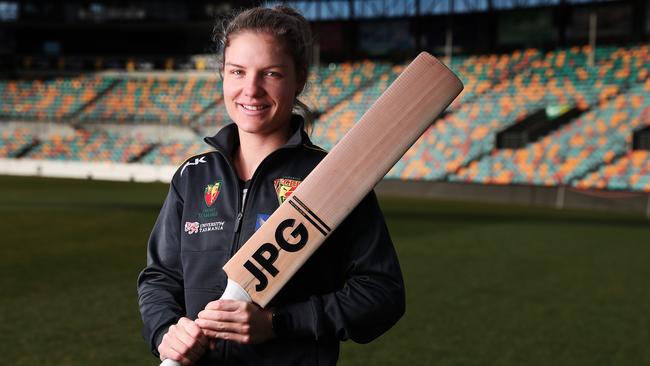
(243, 205)
(239, 207)
(240, 215)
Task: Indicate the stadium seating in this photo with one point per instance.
(333, 124)
(155, 99)
(90, 146)
(591, 151)
(14, 142)
(329, 86)
(596, 138)
(480, 73)
(212, 120)
(631, 172)
(561, 78)
(48, 99)
(175, 152)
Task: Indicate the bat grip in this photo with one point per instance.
(233, 291)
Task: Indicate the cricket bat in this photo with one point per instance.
(405, 110)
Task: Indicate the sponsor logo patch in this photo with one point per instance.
(211, 193)
(284, 187)
(260, 220)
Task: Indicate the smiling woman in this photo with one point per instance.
(259, 87)
(259, 82)
(351, 288)
(265, 57)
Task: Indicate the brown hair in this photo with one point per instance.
(286, 25)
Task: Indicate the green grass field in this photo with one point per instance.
(486, 284)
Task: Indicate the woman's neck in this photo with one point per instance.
(253, 148)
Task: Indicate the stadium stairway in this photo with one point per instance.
(75, 115)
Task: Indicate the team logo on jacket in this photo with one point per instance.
(211, 193)
(284, 187)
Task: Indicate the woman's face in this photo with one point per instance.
(259, 83)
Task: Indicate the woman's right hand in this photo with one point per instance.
(184, 342)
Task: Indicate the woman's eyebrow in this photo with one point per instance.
(281, 66)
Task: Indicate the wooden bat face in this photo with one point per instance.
(277, 250)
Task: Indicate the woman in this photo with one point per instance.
(351, 288)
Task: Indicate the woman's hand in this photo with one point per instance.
(239, 321)
(184, 342)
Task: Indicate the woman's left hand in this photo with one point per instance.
(238, 321)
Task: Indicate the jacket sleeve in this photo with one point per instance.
(372, 298)
(160, 284)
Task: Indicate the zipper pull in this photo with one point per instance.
(238, 221)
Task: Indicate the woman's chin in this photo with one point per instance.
(262, 125)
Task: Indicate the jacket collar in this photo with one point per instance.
(227, 139)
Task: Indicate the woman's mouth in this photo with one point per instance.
(253, 107)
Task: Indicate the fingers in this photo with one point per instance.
(235, 337)
(170, 348)
(225, 305)
(183, 342)
(192, 333)
(226, 319)
(225, 316)
(210, 326)
(237, 321)
(238, 316)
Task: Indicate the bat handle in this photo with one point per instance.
(169, 362)
(233, 291)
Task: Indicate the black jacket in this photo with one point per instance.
(351, 288)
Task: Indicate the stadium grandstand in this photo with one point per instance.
(557, 92)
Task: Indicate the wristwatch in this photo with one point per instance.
(280, 322)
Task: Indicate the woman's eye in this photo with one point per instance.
(273, 74)
(236, 72)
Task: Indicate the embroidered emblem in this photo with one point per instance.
(284, 187)
(191, 227)
(211, 193)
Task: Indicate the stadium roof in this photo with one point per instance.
(350, 9)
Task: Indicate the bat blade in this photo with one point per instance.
(266, 262)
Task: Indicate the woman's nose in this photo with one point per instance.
(252, 86)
